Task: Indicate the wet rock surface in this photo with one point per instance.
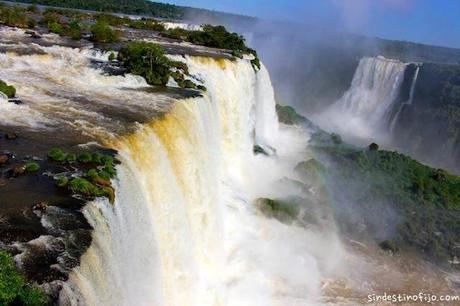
(41, 224)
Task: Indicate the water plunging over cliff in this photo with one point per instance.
(409, 101)
(364, 109)
(183, 230)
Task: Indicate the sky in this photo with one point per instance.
(434, 22)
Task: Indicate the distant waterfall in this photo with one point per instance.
(364, 109)
(409, 101)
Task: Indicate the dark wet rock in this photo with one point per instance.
(33, 34)
(389, 246)
(3, 159)
(259, 150)
(19, 170)
(15, 101)
(11, 136)
(40, 206)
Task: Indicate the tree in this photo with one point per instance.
(373, 147)
(103, 33)
(147, 60)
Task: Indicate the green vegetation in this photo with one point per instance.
(288, 115)
(8, 90)
(98, 170)
(32, 166)
(57, 154)
(259, 150)
(337, 140)
(283, 211)
(139, 7)
(62, 181)
(139, 24)
(103, 33)
(14, 289)
(147, 60)
(426, 200)
(56, 28)
(15, 17)
(373, 147)
(112, 57)
(215, 37)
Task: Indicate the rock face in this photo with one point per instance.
(11, 136)
(3, 159)
(428, 127)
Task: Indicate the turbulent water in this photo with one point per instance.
(364, 111)
(184, 229)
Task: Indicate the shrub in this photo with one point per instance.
(13, 17)
(281, 210)
(14, 288)
(288, 115)
(336, 139)
(32, 166)
(259, 150)
(85, 157)
(56, 28)
(8, 90)
(112, 57)
(103, 33)
(71, 157)
(83, 187)
(57, 154)
(73, 30)
(147, 60)
(373, 147)
(62, 181)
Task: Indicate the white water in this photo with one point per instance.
(183, 230)
(363, 111)
(409, 101)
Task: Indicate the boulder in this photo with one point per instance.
(40, 206)
(19, 170)
(11, 136)
(3, 159)
(32, 34)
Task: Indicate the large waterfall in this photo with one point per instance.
(364, 111)
(183, 230)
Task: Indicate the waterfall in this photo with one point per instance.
(409, 101)
(183, 230)
(363, 110)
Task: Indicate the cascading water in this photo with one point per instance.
(364, 109)
(183, 230)
(409, 101)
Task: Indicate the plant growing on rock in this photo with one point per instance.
(103, 33)
(14, 288)
(147, 60)
(32, 166)
(8, 90)
(284, 211)
(57, 154)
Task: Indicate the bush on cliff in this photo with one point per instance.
(14, 289)
(283, 211)
(8, 90)
(288, 115)
(376, 184)
(147, 60)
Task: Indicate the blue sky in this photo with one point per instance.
(428, 21)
